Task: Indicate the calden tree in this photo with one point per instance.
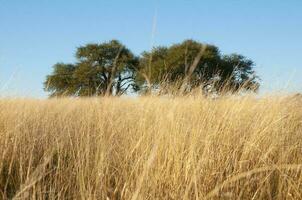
(192, 64)
(101, 69)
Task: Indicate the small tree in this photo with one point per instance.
(101, 69)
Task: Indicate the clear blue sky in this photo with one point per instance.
(35, 34)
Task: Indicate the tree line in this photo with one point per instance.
(111, 69)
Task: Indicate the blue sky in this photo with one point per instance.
(35, 34)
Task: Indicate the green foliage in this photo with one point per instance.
(61, 82)
(111, 69)
(239, 72)
(101, 69)
(196, 64)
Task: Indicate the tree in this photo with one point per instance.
(195, 64)
(101, 69)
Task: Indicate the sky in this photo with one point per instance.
(36, 34)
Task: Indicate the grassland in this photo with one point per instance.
(151, 148)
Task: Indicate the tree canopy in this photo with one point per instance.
(101, 69)
(196, 64)
(112, 69)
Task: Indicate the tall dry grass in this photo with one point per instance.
(151, 148)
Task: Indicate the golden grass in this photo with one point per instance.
(151, 148)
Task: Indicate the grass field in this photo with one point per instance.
(151, 148)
